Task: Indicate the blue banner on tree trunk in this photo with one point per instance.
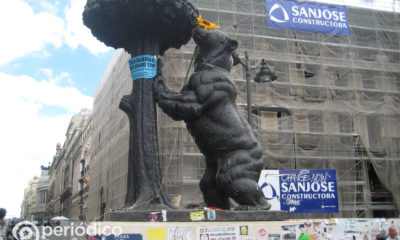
(307, 17)
(300, 191)
(143, 66)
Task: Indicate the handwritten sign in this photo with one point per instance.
(143, 66)
(300, 191)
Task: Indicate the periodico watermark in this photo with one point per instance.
(28, 230)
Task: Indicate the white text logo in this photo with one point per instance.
(275, 19)
(27, 230)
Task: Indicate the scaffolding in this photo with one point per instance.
(341, 95)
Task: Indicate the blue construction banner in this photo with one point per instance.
(143, 66)
(301, 191)
(309, 17)
(125, 236)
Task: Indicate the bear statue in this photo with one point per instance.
(207, 104)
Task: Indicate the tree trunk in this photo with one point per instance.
(144, 189)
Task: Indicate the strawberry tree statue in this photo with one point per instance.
(145, 29)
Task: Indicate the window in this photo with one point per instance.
(374, 132)
(315, 123)
(345, 123)
(274, 118)
(66, 177)
(82, 167)
(268, 120)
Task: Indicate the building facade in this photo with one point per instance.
(53, 196)
(39, 209)
(334, 105)
(66, 193)
(28, 205)
(81, 171)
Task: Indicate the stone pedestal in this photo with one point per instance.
(196, 216)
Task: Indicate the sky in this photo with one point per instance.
(50, 66)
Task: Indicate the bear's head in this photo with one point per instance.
(215, 47)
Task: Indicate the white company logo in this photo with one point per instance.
(275, 7)
(25, 230)
(29, 231)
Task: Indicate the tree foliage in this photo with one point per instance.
(121, 23)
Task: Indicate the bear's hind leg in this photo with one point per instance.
(248, 194)
(212, 195)
(238, 176)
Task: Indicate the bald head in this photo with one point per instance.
(392, 231)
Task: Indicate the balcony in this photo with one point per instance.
(84, 190)
(43, 184)
(39, 208)
(66, 193)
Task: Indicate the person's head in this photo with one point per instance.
(392, 232)
(2, 213)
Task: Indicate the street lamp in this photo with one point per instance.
(264, 75)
